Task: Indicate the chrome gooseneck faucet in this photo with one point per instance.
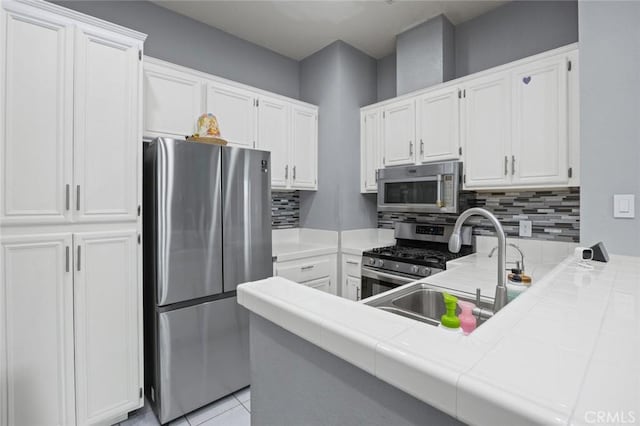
(455, 242)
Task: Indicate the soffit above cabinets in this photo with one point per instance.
(299, 28)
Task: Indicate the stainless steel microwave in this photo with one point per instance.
(427, 188)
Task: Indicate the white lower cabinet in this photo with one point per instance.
(351, 276)
(352, 288)
(107, 320)
(319, 272)
(36, 341)
(73, 328)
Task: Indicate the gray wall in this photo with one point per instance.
(340, 79)
(424, 55)
(514, 31)
(294, 382)
(387, 77)
(609, 126)
(184, 41)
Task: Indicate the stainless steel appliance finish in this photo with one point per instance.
(427, 188)
(247, 196)
(203, 352)
(420, 251)
(207, 228)
(188, 220)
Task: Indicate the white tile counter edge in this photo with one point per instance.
(468, 377)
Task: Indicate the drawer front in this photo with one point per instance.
(305, 270)
(351, 265)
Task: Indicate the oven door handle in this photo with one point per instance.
(393, 279)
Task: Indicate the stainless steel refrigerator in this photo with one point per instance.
(207, 228)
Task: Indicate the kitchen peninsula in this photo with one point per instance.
(554, 355)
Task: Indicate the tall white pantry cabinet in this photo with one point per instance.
(70, 258)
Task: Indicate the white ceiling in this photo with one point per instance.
(299, 28)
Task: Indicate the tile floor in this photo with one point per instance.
(232, 410)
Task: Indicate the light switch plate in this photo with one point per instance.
(624, 206)
(525, 228)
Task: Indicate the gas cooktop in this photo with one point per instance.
(432, 255)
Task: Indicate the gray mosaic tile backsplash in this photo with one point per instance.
(285, 209)
(555, 213)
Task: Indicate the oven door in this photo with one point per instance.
(375, 282)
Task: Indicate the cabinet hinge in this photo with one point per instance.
(139, 55)
(569, 66)
(460, 150)
(140, 394)
(570, 172)
(139, 239)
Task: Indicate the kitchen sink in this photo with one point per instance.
(425, 303)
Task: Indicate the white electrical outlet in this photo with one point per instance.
(525, 228)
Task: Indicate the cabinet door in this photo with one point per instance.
(273, 136)
(399, 133)
(36, 340)
(486, 131)
(172, 102)
(235, 110)
(107, 321)
(304, 143)
(437, 125)
(322, 284)
(540, 147)
(106, 127)
(370, 155)
(36, 153)
(353, 288)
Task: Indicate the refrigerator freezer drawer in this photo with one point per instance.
(203, 354)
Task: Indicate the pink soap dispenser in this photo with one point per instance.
(467, 320)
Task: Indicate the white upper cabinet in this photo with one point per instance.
(304, 141)
(539, 143)
(107, 325)
(273, 135)
(437, 125)
(235, 110)
(106, 136)
(370, 149)
(514, 126)
(172, 102)
(36, 339)
(399, 133)
(248, 118)
(36, 156)
(486, 128)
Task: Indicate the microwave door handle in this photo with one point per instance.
(439, 202)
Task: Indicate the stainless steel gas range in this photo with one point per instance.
(421, 250)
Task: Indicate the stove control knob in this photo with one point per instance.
(372, 261)
(415, 269)
(380, 263)
(425, 271)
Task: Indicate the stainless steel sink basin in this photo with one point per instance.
(424, 302)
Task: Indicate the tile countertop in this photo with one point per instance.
(298, 243)
(359, 240)
(562, 353)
